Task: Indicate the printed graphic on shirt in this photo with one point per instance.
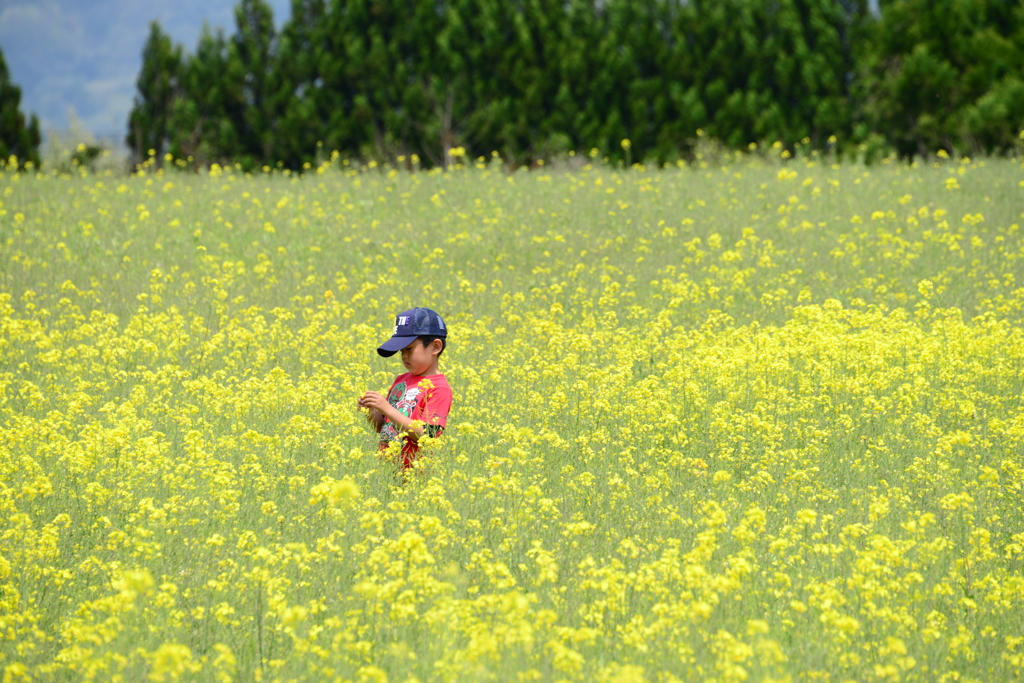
(403, 399)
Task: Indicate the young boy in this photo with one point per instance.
(419, 399)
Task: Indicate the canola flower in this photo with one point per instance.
(752, 421)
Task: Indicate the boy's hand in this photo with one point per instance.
(373, 400)
(373, 403)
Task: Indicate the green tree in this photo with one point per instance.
(199, 127)
(298, 104)
(247, 88)
(946, 74)
(509, 67)
(630, 79)
(157, 87)
(17, 138)
(774, 70)
(376, 71)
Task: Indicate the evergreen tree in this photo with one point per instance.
(466, 100)
(297, 101)
(439, 99)
(16, 137)
(157, 87)
(335, 80)
(200, 127)
(377, 76)
(684, 111)
(583, 86)
(631, 80)
(946, 74)
(509, 70)
(773, 70)
(247, 97)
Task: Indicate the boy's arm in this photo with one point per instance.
(413, 429)
(375, 418)
(373, 402)
(379, 406)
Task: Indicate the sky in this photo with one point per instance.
(84, 55)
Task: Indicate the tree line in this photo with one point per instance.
(527, 79)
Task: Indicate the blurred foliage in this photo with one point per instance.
(946, 74)
(158, 86)
(19, 139)
(75, 148)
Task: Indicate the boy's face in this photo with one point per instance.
(418, 359)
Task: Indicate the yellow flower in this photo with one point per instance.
(172, 661)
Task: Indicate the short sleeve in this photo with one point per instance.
(434, 406)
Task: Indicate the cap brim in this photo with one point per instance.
(394, 345)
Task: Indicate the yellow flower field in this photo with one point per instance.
(751, 420)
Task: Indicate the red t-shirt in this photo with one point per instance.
(411, 398)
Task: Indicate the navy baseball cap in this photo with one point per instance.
(414, 323)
